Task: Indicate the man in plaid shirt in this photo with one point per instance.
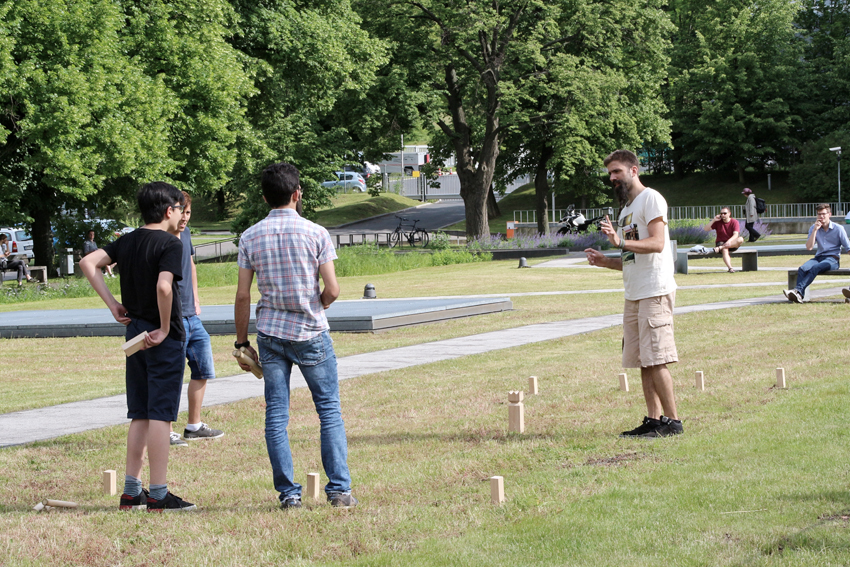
(288, 254)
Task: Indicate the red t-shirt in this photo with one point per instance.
(725, 230)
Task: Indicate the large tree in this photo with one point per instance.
(594, 91)
(313, 67)
(525, 71)
(100, 96)
(734, 82)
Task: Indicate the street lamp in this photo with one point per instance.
(838, 155)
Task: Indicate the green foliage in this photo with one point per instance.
(369, 259)
(312, 66)
(70, 231)
(733, 82)
(438, 241)
(74, 287)
(815, 177)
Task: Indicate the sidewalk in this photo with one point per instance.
(27, 426)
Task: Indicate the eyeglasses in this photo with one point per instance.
(178, 208)
(724, 213)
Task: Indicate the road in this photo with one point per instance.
(431, 216)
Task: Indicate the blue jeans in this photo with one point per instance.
(317, 362)
(807, 273)
(198, 349)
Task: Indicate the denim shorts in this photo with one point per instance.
(154, 377)
(198, 349)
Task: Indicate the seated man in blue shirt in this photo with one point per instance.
(831, 238)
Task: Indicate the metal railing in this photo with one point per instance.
(774, 211)
(217, 249)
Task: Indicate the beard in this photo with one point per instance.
(621, 190)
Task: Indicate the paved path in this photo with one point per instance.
(46, 423)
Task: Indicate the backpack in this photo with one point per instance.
(761, 206)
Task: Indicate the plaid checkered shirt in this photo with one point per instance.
(285, 252)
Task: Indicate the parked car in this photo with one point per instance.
(19, 241)
(347, 181)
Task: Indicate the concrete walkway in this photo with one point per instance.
(45, 423)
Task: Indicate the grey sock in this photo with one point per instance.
(158, 491)
(132, 485)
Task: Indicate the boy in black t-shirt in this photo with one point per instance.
(150, 262)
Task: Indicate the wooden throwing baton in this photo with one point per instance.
(242, 355)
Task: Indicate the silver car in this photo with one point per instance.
(347, 181)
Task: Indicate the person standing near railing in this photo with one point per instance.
(752, 214)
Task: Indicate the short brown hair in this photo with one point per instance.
(187, 199)
(622, 156)
(823, 206)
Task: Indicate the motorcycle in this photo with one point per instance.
(576, 223)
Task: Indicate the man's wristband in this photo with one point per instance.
(246, 344)
(622, 245)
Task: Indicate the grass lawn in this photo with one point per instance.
(352, 207)
(760, 476)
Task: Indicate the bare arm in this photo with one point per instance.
(597, 258)
(810, 243)
(164, 299)
(91, 266)
(242, 311)
(195, 287)
(331, 291)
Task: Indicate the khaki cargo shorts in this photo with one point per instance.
(648, 332)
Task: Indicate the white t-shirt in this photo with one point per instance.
(646, 275)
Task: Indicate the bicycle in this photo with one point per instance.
(414, 237)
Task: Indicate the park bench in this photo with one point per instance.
(792, 278)
(749, 259)
(38, 272)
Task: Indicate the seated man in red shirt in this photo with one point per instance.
(728, 236)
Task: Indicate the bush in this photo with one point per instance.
(370, 259)
(553, 240)
(690, 234)
(438, 241)
(77, 287)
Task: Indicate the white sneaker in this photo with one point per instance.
(176, 441)
(792, 295)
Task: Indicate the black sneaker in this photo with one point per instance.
(342, 500)
(667, 428)
(128, 502)
(649, 424)
(170, 503)
(290, 502)
(204, 432)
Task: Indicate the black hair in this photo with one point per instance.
(279, 182)
(155, 198)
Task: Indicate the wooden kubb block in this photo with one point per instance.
(780, 378)
(109, 482)
(624, 382)
(132, 346)
(700, 380)
(497, 489)
(516, 412)
(313, 486)
(532, 386)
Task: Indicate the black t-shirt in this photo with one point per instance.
(141, 256)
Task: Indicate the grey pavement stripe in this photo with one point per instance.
(46, 423)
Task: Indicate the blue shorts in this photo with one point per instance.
(154, 377)
(198, 349)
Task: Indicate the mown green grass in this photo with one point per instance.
(760, 476)
(353, 207)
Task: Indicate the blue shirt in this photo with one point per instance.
(187, 291)
(831, 241)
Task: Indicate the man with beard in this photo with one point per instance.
(647, 265)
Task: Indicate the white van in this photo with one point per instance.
(19, 241)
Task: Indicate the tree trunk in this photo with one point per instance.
(541, 189)
(42, 245)
(220, 205)
(492, 205)
(741, 174)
